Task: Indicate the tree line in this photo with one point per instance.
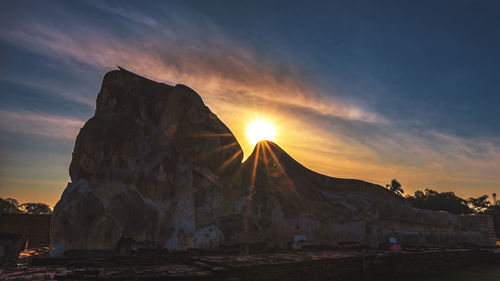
(428, 199)
(12, 206)
(447, 201)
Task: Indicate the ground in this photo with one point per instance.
(480, 272)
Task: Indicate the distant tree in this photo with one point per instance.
(439, 201)
(495, 201)
(13, 202)
(36, 209)
(12, 206)
(479, 204)
(395, 187)
(9, 206)
(418, 194)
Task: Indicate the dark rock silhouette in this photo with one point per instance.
(155, 166)
(140, 163)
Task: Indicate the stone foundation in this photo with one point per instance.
(35, 228)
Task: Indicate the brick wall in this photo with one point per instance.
(36, 228)
(496, 218)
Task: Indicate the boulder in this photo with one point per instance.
(148, 166)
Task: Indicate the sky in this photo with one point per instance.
(372, 90)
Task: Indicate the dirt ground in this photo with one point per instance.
(480, 272)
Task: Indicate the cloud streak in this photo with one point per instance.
(61, 90)
(57, 127)
(204, 59)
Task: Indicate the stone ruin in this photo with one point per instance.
(155, 168)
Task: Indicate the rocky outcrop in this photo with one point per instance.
(149, 166)
(156, 167)
(284, 201)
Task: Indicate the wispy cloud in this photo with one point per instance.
(65, 91)
(124, 12)
(184, 52)
(57, 127)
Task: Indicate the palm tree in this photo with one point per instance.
(395, 187)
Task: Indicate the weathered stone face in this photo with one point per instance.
(134, 168)
(155, 166)
(288, 200)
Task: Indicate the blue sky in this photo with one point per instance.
(373, 90)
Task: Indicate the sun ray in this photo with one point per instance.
(224, 165)
(287, 181)
(264, 154)
(206, 154)
(251, 187)
(212, 135)
(256, 159)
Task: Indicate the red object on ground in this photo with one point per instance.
(396, 248)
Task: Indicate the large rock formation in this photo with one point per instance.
(157, 167)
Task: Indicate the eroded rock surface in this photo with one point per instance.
(149, 166)
(287, 200)
(155, 166)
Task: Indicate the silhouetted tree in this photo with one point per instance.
(439, 201)
(13, 201)
(9, 206)
(12, 206)
(395, 187)
(36, 209)
(479, 204)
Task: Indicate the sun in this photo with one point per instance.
(260, 130)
